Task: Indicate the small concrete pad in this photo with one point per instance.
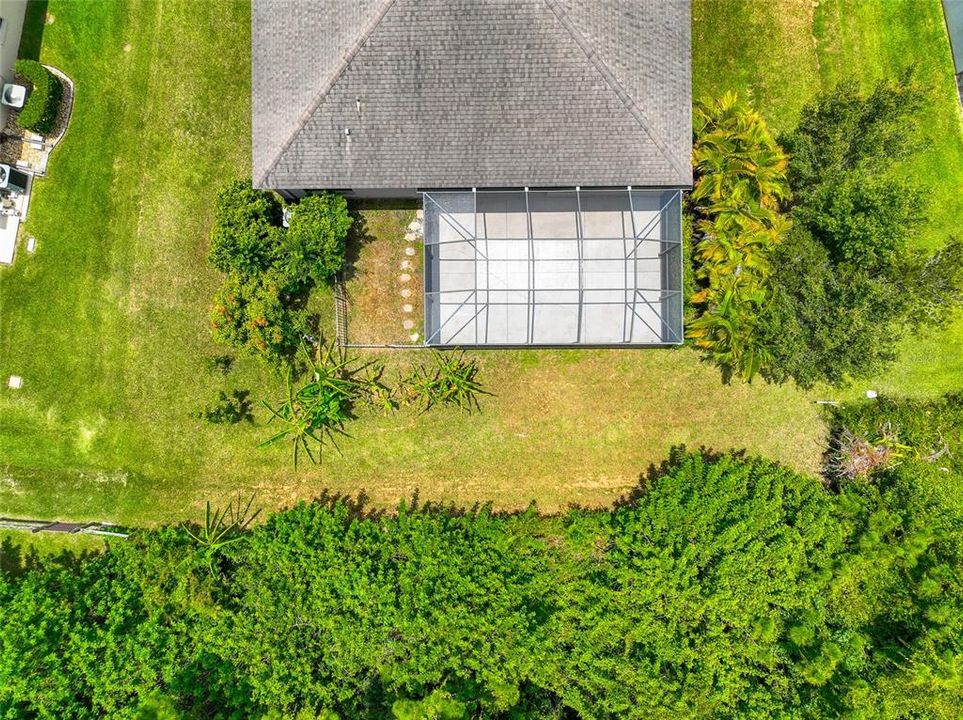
(405, 292)
(409, 251)
(15, 382)
(404, 277)
(407, 307)
(408, 324)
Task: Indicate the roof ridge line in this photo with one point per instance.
(326, 87)
(606, 72)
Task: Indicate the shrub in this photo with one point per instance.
(271, 271)
(826, 322)
(843, 129)
(931, 429)
(740, 181)
(850, 283)
(453, 381)
(315, 244)
(259, 317)
(314, 413)
(39, 113)
(246, 237)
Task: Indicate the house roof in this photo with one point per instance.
(471, 93)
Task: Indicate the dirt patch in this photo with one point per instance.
(384, 284)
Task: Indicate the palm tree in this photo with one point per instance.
(740, 185)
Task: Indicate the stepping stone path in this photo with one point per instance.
(413, 235)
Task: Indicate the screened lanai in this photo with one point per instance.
(553, 267)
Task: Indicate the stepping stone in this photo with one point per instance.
(414, 337)
(406, 265)
(404, 277)
(414, 226)
(409, 251)
(408, 324)
(420, 214)
(31, 244)
(405, 292)
(407, 307)
(15, 382)
(410, 237)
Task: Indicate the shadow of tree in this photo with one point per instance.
(15, 561)
(358, 237)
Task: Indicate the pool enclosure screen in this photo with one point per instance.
(553, 267)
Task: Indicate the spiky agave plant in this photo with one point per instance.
(315, 413)
(223, 527)
(451, 381)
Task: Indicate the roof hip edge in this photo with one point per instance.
(603, 69)
(326, 87)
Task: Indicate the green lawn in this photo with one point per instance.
(108, 321)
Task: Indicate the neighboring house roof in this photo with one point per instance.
(471, 93)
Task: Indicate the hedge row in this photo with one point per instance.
(39, 113)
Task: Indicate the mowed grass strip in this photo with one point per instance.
(108, 322)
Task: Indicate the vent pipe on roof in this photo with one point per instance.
(357, 104)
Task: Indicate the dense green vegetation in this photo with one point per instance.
(272, 270)
(829, 300)
(723, 587)
(39, 113)
(740, 181)
(780, 55)
(851, 281)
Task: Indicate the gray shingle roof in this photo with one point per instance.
(470, 93)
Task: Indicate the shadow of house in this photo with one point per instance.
(34, 22)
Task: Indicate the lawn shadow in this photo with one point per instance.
(358, 237)
(359, 506)
(34, 22)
